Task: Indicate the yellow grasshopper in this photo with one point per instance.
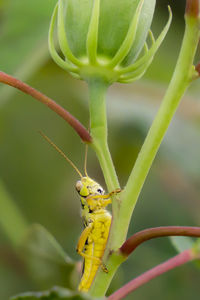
(97, 221)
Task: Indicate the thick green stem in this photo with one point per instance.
(98, 125)
(182, 76)
(179, 83)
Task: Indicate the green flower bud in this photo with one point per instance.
(105, 39)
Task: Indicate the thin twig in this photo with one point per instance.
(140, 237)
(170, 264)
(71, 120)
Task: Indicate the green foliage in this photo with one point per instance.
(182, 243)
(196, 249)
(171, 195)
(10, 213)
(56, 293)
(46, 260)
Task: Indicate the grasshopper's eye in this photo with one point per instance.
(79, 186)
(100, 191)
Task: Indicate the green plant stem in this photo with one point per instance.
(181, 79)
(182, 76)
(98, 127)
(11, 220)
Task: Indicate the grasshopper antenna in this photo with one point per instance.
(61, 152)
(85, 160)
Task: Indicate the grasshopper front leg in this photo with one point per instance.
(103, 200)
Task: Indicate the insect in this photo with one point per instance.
(96, 219)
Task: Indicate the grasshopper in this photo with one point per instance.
(96, 219)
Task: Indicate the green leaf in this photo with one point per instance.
(182, 243)
(196, 249)
(197, 246)
(55, 293)
(9, 215)
(46, 260)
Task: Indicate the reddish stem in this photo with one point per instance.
(192, 8)
(197, 68)
(170, 264)
(138, 238)
(71, 120)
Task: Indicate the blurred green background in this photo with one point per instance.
(37, 186)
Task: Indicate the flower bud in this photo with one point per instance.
(105, 39)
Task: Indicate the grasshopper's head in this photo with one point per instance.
(87, 187)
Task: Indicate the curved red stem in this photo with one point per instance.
(151, 233)
(71, 120)
(170, 264)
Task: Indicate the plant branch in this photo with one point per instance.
(98, 127)
(176, 261)
(182, 77)
(142, 236)
(71, 120)
(192, 8)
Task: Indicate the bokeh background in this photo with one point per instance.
(37, 186)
